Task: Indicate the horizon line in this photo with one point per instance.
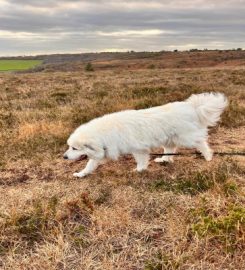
(119, 51)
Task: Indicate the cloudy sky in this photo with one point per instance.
(60, 26)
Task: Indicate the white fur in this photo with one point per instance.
(136, 132)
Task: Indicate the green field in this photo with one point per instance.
(12, 65)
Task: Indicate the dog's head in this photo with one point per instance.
(81, 147)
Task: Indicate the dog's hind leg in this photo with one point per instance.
(206, 151)
(167, 150)
(142, 160)
(90, 167)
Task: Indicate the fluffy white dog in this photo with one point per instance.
(136, 132)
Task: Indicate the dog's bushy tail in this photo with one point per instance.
(209, 107)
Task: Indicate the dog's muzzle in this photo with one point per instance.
(82, 157)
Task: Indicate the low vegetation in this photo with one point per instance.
(89, 67)
(228, 228)
(185, 215)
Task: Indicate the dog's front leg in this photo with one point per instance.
(90, 167)
(142, 160)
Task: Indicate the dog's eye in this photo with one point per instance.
(73, 148)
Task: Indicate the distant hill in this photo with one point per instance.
(138, 60)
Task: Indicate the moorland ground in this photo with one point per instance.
(186, 215)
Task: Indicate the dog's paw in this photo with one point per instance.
(139, 169)
(80, 174)
(163, 159)
(208, 156)
(158, 160)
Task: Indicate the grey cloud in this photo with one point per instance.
(46, 26)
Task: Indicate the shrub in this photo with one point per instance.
(89, 67)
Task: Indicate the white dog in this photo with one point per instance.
(136, 132)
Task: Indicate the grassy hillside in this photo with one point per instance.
(13, 65)
(185, 215)
(138, 60)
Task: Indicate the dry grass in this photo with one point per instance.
(186, 215)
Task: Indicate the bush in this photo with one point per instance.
(89, 67)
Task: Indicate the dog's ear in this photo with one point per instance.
(89, 147)
(94, 150)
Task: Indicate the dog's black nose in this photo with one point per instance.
(65, 157)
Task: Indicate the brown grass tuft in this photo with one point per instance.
(30, 130)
